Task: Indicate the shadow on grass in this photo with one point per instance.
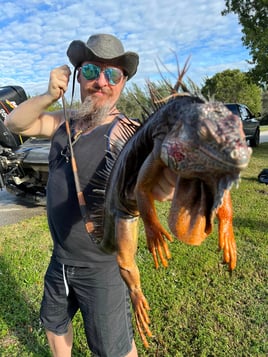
(20, 317)
(21, 333)
(252, 179)
(260, 225)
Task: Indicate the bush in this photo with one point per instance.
(264, 120)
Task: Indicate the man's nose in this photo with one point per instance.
(102, 80)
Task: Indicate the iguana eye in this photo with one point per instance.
(234, 154)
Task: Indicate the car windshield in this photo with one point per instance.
(233, 108)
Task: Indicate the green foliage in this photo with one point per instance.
(139, 103)
(253, 16)
(197, 308)
(265, 103)
(55, 107)
(133, 101)
(58, 106)
(233, 86)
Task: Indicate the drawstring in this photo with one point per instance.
(65, 280)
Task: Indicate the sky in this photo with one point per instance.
(36, 34)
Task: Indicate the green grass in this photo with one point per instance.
(264, 127)
(197, 308)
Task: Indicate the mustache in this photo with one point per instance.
(96, 88)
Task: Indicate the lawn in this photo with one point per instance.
(263, 127)
(197, 307)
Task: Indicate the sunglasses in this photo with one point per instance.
(91, 71)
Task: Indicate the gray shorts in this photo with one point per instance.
(103, 299)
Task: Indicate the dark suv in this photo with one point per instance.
(251, 125)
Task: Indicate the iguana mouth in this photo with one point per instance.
(237, 159)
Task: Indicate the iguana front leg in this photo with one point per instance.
(127, 237)
(225, 231)
(148, 177)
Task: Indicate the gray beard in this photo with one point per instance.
(89, 115)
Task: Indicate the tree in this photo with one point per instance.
(233, 86)
(137, 102)
(265, 108)
(253, 16)
(132, 102)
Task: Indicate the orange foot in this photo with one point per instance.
(156, 243)
(141, 306)
(226, 234)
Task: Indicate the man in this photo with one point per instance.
(80, 275)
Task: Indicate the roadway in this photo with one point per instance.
(13, 209)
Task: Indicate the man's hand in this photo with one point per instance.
(58, 82)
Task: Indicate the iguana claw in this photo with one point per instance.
(141, 306)
(225, 231)
(156, 243)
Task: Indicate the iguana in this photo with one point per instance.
(203, 144)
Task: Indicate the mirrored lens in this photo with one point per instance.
(113, 75)
(91, 71)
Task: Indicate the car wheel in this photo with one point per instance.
(254, 142)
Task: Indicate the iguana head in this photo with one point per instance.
(206, 139)
(207, 150)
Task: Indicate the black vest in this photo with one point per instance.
(72, 244)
